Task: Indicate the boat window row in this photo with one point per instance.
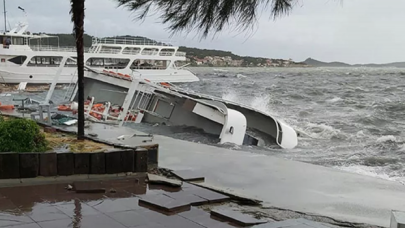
(105, 63)
(135, 51)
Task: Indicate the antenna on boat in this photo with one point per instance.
(5, 17)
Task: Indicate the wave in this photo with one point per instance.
(334, 100)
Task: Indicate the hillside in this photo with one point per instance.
(192, 53)
(317, 63)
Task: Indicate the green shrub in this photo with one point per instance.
(21, 135)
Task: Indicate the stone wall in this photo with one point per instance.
(31, 165)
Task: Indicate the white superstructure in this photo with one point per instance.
(25, 58)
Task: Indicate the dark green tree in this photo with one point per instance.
(207, 16)
(77, 12)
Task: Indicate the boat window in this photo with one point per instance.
(150, 64)
(108, 63)
(167, 52)
(45, 61)
(18, 59)
(17, 41)
(71, 63)
(110, 50)
(131, 51)
(150, 51)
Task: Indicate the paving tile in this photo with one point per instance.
(72, 209)
(131, 203)
(236, 217)
(58, 223)
(14, 219)
(177, 221)
(165, 203)
(88, 187)
(172, 221)
(187, 198)
(312, 223)
(150, 225)
(30, 225)
(130, 218)
(206, 220)
(193, 213)
(161, 180)
(211, 196)
(44, 212)
(108, 206)
(286, 223)
(96, 221)
(189, 175)
(100, 221)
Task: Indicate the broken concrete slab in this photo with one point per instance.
(163, 203)
(187, 197)
(211, 196)
(292, 223)
(155, 179)
(88, 187)
(236, 217)
(188, 175)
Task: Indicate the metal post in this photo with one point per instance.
(55, 80)
(49, 114)
(5, 17)
(41, 114)
(127, 101)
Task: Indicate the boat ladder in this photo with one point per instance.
(71, 88)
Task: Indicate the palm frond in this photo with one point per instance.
(207, 16)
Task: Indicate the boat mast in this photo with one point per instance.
(5, 17)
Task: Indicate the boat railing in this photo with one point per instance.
(131, 52)
(55, 48)
(130, 41)
(109, 51)
(148, 68)
(181, 54)
(149, 52)
(166, 53)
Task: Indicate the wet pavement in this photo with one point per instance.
(277, 182)
(52, 205)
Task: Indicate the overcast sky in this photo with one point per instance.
(353, 31)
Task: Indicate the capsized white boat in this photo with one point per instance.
(139, 100)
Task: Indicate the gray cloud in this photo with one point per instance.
(355, 31)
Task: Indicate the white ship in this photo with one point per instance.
(23, 58)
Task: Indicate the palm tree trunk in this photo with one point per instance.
(78, 20)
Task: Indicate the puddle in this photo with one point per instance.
(53, 205)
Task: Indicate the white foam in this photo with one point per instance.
(240, 76)
(322, 131)
(386, 138)
(334, 100)
(377, 172)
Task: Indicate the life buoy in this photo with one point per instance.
(64, 108)
(130, 117)
(7, 107)
(165, 84)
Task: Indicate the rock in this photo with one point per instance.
(93, 135)
(113, 191)
(89, 187)
(69, 187)
(49, 130)
(155, 179)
